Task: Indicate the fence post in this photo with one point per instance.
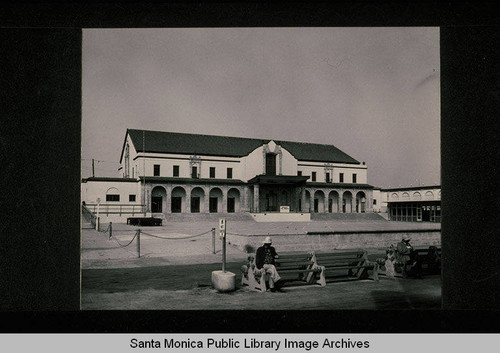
(213, 240)
(98, 223)
(138, 243)
(110, 229)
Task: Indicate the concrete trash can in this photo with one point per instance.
(223, 281)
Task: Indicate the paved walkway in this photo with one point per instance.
(191, 242)
(176, 261)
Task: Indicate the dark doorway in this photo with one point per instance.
(213, 204)
(195, 204)
(230, 204)
(330, 205)
(316, 205)
(426, 214)
(156, 204)
(272, 202)
(176, 204)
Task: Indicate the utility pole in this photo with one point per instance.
(93, 174)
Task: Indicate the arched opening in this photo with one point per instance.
(197, 198)
(112, 195)
(347, 202)
(158, 199)
(361, 202)
(333, 202)
(233, 200)
(178, 199)
(215, 199)
(319, 201)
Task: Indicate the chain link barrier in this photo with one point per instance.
(177, 238)
(124, 246)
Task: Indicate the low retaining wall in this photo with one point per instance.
(281, 217)
(326, 241)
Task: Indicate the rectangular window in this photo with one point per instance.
(229, 173)
(299, 172)
(176, 170)
(313, 176)
(327, 179)
(212, 172)
(113, 198)
(156, 171)
(270, 164)
(354, 178)
(131, 198)
(341, 177)
(194, 172)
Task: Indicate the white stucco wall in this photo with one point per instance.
(92, 190)
(412, 194)
(289, 163)
(319, 167)
(252, 164)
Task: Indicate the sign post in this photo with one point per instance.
(223, 281)
(222, 235)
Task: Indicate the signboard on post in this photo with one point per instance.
(222, 227)
(222, 234)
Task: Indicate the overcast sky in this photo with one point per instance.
(372, 92)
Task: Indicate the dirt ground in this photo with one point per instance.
(188, 287)
(174, 273)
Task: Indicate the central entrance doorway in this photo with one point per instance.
(271, 202)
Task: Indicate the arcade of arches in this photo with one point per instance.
(194, 199)
(263, 198)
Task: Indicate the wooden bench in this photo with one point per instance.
(290, 267)
(144, 221)
(428, 261)
(354, 264)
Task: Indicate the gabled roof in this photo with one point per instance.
(226, 146)
(316, 152)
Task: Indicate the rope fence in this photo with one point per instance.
(130, 242)
(177, 238)
(139, 232)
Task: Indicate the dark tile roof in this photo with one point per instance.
(316, 152)
(226, 146)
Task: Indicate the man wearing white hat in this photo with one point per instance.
(264, 258)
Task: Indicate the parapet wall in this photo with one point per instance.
(338, 240)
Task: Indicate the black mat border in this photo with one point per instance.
(36, 297)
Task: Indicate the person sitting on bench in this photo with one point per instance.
(264, 258)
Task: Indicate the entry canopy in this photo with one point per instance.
(279, 179)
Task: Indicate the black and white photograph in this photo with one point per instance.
(248, 168)
(294, 167)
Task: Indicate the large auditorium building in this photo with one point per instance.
(166, 172)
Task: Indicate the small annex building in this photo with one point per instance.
(169, 172)
(412, 204)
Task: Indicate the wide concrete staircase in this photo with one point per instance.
(348, 217)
